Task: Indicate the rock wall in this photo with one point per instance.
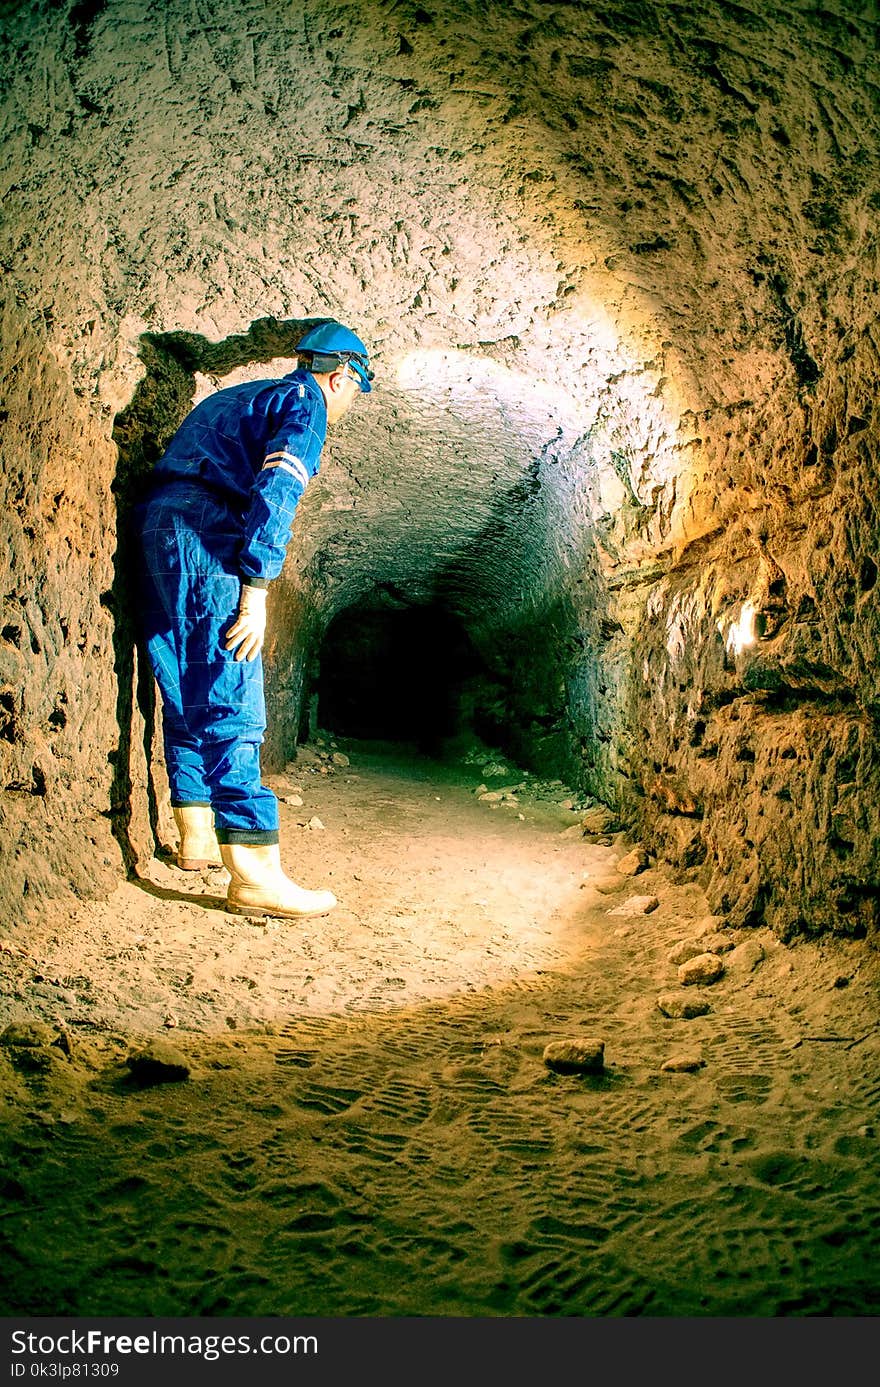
(617, 266)
(755, 710)
(58, 697)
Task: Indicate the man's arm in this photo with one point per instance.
(291, 459)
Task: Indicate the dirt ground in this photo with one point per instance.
(354, 1115)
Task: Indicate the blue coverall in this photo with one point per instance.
(219, 514)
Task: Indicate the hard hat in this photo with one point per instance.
(331, 345)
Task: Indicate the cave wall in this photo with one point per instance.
(58, 694)
(759, 760)
(617, 266)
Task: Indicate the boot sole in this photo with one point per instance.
(255, 911)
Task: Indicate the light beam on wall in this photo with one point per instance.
(740, 632)
(593, 408)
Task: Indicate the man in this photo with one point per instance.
(213, 533)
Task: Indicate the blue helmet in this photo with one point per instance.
(329, 345)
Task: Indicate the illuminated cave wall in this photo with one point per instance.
(618, 266)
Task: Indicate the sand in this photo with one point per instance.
(367, 1125)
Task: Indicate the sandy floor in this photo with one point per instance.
(368, 1126)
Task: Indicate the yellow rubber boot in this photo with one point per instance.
(259, 885)
(198, 843)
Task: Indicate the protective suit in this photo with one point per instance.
(211, 536)
(219, 516)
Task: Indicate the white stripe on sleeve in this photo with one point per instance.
(290, 463)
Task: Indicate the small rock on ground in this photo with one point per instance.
(157, 1063)
(682, 1007)
(685, 950)
(716, 942)
(746, 956)
(575, 1056)
(636, 905)
(633, 863)
(705, 968)
(710, 924)
(682, 1064)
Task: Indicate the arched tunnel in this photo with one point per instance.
(398, 675)
(617, 270)
(611, 508)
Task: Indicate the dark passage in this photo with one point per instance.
(408, 675)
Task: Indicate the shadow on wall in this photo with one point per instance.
(141, 432)
(514, 581)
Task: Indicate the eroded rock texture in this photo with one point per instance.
(618, 265)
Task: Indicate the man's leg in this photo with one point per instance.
(221, 699)
(214, 712)
(163, 581)
(245, 810)
(224, 710)
(163, 576)
(225, 699)
(190, 792)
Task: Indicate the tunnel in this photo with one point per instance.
(398, 675)
(610, 511)
(616, 268)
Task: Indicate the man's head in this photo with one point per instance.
(338, 360)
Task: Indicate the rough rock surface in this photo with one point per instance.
(575, 1056)
(634, 906)
(619, 271)
(157, 1062)
(28, 1034)
(681, 1007)
(703, 969)
(684, 950)
(682, 1064)
(632, 862)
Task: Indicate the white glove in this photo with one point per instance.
(249, 630)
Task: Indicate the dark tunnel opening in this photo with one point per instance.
(410, 675)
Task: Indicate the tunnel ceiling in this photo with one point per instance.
(567, 231)
(448, 175)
